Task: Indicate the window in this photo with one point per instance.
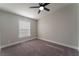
(24, 28)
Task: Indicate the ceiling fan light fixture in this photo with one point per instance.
(41, 8)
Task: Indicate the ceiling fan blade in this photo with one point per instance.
(46, 9)
(46, 4)
(39, 11)
(40, 4)
(35, 7)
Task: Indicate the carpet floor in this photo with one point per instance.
(37, 47)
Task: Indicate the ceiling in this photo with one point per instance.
(24, 10)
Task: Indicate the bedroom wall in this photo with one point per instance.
(78, 27)
(9, 28)
(61, 27)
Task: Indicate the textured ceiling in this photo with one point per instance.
(24, 10)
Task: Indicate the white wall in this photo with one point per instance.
(78, 27)
(60, 27)
(9, 24)
(0, 38)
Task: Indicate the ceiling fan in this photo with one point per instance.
(42, 6)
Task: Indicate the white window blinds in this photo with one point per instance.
(24, 28)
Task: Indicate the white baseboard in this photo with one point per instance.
(14, 43)
(60, 44)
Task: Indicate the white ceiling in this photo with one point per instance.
(24, 10)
